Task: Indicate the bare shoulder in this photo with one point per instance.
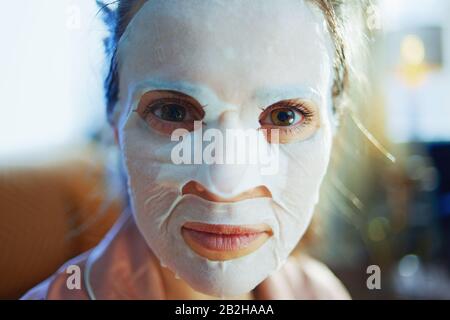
(319, 281)
(56, 288)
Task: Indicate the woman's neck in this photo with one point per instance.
(178, 289)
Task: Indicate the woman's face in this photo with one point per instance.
(204, 69)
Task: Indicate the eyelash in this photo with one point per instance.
(297, 132)
(167, 127)
(307, 113)
(161, 102)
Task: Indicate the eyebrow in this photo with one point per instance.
(271, 95)
(198, 92)
(204, 95)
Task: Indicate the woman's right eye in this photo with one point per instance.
(170, 112)
(165, 115)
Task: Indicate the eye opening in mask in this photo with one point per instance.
(294, 119)
(166, 110)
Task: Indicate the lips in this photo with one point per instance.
(225, 238)
(222, 242)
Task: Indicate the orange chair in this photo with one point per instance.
(49, 214)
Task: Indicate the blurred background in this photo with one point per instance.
(387, 204)
(395, 214)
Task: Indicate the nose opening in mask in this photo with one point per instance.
(197, 189)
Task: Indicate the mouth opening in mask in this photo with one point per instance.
(220, 242)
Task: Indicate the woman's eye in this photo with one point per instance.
(170, 112)
(289, 121)
(282, 117)
(285, 117)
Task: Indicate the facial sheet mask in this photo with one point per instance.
(163, 48)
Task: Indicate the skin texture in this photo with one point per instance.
(274, 52)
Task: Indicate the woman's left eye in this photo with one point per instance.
(288, 121)
(285, 117)
(282, 117)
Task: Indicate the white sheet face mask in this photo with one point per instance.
(234, 57)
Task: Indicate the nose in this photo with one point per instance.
(229, 177)
(195, 188)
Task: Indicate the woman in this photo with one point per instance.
(187, 71)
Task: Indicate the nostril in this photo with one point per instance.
(195, 188)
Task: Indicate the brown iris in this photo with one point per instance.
(293, 120)
(166, 110)
(172, 112)
(283, 117)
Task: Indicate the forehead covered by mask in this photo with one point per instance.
(232, 65)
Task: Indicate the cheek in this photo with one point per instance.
(150, 197)
(143, 165)
(141, 168)
(302, 168)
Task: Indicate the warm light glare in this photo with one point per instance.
(412, 50)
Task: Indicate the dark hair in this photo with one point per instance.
(117, 15)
